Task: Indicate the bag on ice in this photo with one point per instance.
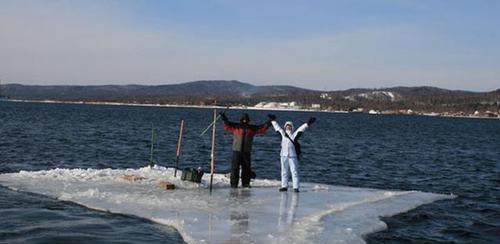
(192, 174)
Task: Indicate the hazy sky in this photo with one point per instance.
(330, 44)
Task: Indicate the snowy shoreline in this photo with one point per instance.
(240, 108)
(172, 105)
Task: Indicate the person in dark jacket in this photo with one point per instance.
(243, 134)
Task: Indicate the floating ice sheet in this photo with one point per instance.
(318, 214)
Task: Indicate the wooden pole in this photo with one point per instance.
(179, 142)
(212, 154)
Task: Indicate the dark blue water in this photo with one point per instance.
(441, 155)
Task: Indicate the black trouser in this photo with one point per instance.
(240, 159)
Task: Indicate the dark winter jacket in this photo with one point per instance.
(243, 134)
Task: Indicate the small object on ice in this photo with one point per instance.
(191, 174)
(131, 178)
(165, 185)
(253, 175)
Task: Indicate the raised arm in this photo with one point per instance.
(300, 130)
(261, 129)
(303, 127)
(278, 128)
(228, 125)
(275, 124)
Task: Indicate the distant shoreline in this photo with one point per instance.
(171, 105)
(236, 108)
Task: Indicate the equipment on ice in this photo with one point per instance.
(192, 174)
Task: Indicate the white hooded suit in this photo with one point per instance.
(289, 159)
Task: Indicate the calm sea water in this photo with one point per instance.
(441, 155)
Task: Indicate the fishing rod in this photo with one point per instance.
(211, 124)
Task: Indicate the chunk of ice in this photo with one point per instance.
(318, 214)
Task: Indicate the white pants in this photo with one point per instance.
(289, 165)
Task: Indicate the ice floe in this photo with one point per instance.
(318, 214)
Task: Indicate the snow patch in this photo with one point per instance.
(375, 95)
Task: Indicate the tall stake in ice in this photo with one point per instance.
(179, 142)
(153, 139)
(212, 153)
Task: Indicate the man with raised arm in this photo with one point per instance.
(243, 134)
(290, 151)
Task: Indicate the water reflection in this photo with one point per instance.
(287, 210)
(238, 215)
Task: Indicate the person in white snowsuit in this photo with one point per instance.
(289, 155)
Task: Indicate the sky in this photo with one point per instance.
(315, 44)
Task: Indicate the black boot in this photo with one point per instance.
(296, 190)
(283, 189)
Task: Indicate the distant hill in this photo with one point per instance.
(213, 89)
(231, 92)
(424, 98)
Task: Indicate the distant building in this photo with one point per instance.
(315, 106)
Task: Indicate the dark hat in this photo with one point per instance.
(245, 118)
